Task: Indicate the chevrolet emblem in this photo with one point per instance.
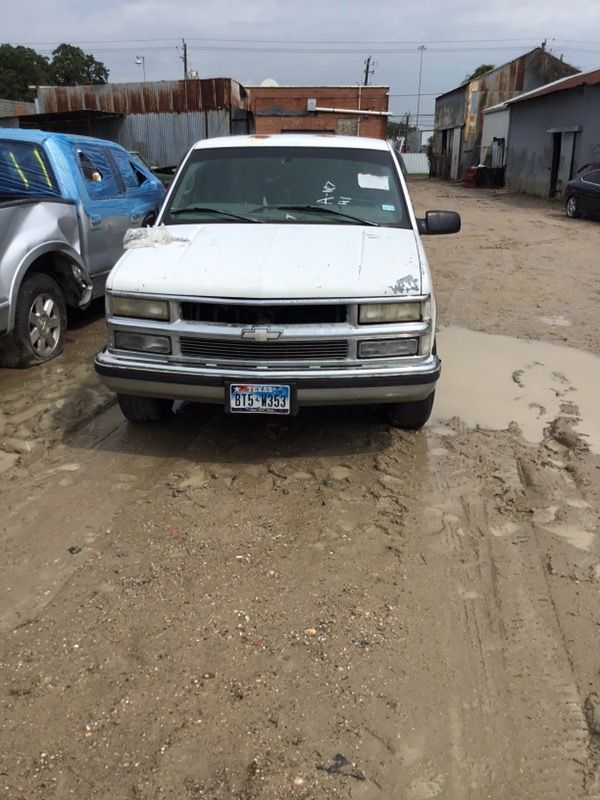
(261, 334)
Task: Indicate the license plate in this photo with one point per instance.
(260, 398)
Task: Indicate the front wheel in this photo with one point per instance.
(410, 416)
(144, 409)
(572, 207)
(40, 323)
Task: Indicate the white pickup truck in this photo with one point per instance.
(283, 271)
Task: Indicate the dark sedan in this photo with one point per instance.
(583, 193)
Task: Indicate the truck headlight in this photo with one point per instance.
(373, 313)
(388, 348)
(144, 342)
(136, 307)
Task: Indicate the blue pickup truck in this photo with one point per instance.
(65, 204)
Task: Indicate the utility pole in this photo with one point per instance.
(368, 71)
(421, 48)
(184, 59)
(406, 132)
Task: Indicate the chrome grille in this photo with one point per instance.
(231, 350)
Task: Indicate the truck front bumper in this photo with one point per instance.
(369, 384)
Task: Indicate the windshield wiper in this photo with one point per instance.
(211, 210)
(328, 209)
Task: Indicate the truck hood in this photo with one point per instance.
(270, 261)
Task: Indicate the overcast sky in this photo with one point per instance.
(232, 38)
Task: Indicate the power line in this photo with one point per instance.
(361, 42)
(329, 47)
(328, 52)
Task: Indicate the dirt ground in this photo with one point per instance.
(233, 609)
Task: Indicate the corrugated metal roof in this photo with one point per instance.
(588, 78)
(144, 98)
(15, 108)
(484, 75)
(516, 63)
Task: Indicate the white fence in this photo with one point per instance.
(416, 163)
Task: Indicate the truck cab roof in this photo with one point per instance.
(324, 140)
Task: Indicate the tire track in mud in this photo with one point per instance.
(74, 494)
(345, 589)
(499, 671)
(543, 690)
(291, 502)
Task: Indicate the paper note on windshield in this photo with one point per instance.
(366, 181)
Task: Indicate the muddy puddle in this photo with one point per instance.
(490, 381)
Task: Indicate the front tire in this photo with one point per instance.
(40, 323)
(410, 416)
(572, 207)
(144, 409)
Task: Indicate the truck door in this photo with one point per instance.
(141, 187)
(105, 211)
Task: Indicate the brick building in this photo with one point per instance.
(349, 110)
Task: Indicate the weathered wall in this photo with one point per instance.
(161, 120)
(529, 71)
(157, 97)
(10, 110)
(163, 139)
(15, 108)
(530, 147)
(450, 108)
(282, 109)
(542, 68)
(495, 126)
(449, 114)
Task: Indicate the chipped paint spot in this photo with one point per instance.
(405, 285)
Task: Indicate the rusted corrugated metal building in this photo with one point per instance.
(11, 110)
(161, 120)
(459, 112)
(347, 110)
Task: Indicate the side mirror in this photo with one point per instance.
(437, 222)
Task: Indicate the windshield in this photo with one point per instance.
(316, 185)
(25, 171)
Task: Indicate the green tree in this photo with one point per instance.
(21, 67)
(72, 67)
(480, 70)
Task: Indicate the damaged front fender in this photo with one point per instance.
(85, 283)
(41, 235)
